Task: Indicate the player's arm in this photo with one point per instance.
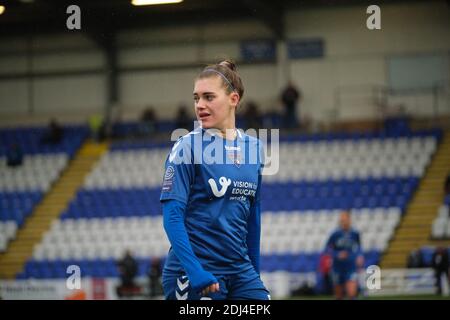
(178, 177)
(330, 246)
(254, 229)
(173, 213)
(254, 219)
(359, 254)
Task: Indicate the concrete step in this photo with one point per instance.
(417, 224)
(404, 236)
(407, 243)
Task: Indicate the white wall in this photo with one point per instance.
(355, 59)
(70, 97)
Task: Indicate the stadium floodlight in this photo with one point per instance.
(153, 2)
(2, 9)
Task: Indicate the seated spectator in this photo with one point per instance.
(252, 117)
(14, 155)
(272, 119)
(447, 185)
(305, 289)
(415, 259)
(96, 127)
(397, 123)
(54, 133)
(128, 269)
(148, 122)
(290, 97)
(183, 119)
(154, 277)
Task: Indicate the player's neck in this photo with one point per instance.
(228, 131)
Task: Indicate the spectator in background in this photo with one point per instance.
(148, 122)
(415, 259)
(96, 127)
(290, 97)
(447, 185)
(272, 119)
(252, 118)
(14, 155)
(128, 269)
(54, 133)
(154, 277)
(440, 264)
(325, 264)
(183, 119)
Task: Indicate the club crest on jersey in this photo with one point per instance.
(235, 157)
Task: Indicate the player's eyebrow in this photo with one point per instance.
(204, 93)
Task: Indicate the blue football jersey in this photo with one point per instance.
(218, 180)
(341, 240)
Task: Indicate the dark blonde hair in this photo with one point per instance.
(226, 70)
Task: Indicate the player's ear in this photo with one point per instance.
(234, 98)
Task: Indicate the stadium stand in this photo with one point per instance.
(373, 174)
(22, 187)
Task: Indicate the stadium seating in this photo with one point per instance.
(29, 140)
(22, 187)
(374, 175)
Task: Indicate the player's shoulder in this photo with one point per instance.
(181, 151)
(335, 233)
(187, 139)
(253, 141)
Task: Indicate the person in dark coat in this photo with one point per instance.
(128, 268)
(290, 97)
(440, 265)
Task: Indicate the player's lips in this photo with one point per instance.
(203, 115)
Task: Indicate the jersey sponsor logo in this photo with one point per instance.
(224, 182)
(170, 171)
(168, 179)
(231, 148)
(242, 190)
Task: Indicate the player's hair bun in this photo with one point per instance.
(229, 64)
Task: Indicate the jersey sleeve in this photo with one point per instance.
(254, 229)
(254, 220)
(330, 246)
(173, 214)
(179, 172)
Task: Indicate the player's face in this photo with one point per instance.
(345, 221)
(214, 108)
